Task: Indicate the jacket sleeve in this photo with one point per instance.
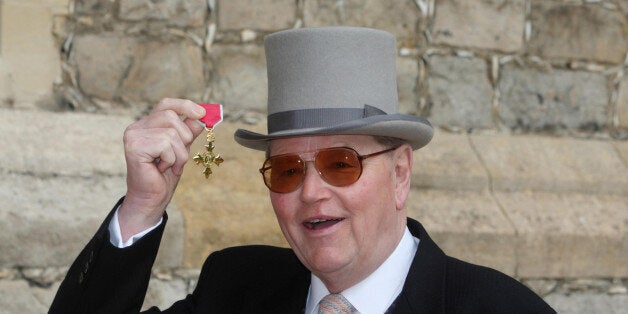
(107, 279)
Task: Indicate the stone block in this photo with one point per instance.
(569, 235)
(622, 149)
(230, 208)
(239, 77)
(622, 103)
(407, 76)
(162, 70)
(16, 297)
(29, 57)
(50, 144)
(93, 6)
(461, 95)
(264, 15)
(485, 24)
(163, 293)
(45, 295)
(536, 100)
(449, 163)
(585, 303)
(366, 13)
(46, 221)
(466, 225)
(536, 163)
(176, 12)
(590, 32)
(102, 63)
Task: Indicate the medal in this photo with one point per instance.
(213, 116)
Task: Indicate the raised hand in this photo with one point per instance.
(156, 149)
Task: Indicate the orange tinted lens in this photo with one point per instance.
(284, 174)
(339, 166)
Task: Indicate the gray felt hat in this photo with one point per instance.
(334, 80)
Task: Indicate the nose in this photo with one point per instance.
(314, 188)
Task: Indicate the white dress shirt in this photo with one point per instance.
(115, 235)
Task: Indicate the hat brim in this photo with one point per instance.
(415, 130)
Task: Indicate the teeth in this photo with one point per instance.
(315, 221)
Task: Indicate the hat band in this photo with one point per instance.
(318, 117)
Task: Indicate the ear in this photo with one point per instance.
(403, 174)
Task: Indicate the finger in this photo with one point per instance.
(182, 154)
(195, 127)
(176, 153)
(148, 145)
(167, 119)
(182, 107)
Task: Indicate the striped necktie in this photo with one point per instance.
(335, 304)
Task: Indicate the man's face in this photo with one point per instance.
(363, 221)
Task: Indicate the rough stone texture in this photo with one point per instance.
(460, 92)
(622, 149)
(623, 5)
(622, 103)
(517, 163)
(466, 225)
(175, 12)
(222, 211)
(29, 61)
(569, 235)
(16, 297)
(163, 293)
(79, 188)
(583, 303)
(93, 6)
(407, 75)
(239, 77)
(448, 163)
(536, 100)
(47, 221)
(488, 24)
(265, 15)
(102, 62)
(165, 70)
(366, 13)
(561, 30)
(94, 147)
(44, 295)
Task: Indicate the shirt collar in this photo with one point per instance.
(387, 280)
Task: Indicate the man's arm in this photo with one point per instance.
(107, 279)
(156, 148)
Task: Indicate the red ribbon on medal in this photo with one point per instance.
(213, 114)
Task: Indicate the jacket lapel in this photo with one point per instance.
(423, 291)
(291, 297)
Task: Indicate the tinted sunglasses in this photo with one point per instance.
(338, 166)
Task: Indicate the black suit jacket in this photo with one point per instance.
(264, 279)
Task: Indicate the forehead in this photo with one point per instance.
(312, 143)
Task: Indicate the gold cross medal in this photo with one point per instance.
(213, 116)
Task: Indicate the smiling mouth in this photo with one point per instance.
(315, 224)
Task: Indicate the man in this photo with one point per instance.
(339, 168)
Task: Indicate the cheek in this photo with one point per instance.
(281, 206)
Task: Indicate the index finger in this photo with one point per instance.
(183, 107)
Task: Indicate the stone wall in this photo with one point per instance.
(534, 66)
(528, 172)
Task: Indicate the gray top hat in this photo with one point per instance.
(334, 80)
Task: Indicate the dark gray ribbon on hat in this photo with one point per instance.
(318, 117)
